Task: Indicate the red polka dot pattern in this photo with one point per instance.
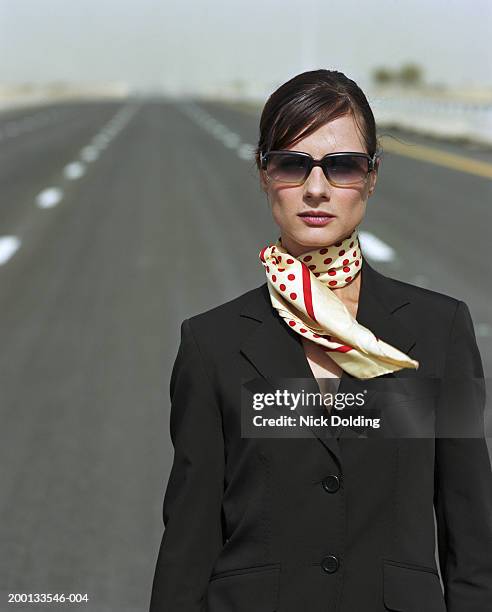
(303, 289)
(329, 265)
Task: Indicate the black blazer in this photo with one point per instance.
(324, 523)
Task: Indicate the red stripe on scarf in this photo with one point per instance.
(340, 349)
(306, 290)
(344, 348)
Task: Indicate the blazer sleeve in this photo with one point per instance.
(192, 505)
(463, 482)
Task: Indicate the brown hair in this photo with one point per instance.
(309, 100)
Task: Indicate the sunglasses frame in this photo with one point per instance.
(318, 162)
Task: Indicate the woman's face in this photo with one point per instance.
(347, 204)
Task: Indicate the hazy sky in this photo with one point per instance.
(176, 43)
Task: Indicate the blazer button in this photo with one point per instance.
(330, 564)
(331, 483)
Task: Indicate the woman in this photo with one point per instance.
(334, 520)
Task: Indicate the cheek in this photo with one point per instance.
(350, 198)
(284, 204)
(279, 215)
(351, 211)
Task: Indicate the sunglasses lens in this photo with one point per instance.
(347, 169)
(287, 168)
(341, 169)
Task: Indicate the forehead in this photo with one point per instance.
(341, 134)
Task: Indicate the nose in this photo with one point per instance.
(316, 184)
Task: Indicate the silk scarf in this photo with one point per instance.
(301, 290)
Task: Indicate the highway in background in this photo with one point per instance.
(118, 221)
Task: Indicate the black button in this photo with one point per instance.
(331, 483)
(330, 564)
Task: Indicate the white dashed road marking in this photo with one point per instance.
(8, 246)
(74, 170)
(375, 248)
(89, 154)
(483, 330)
(49, 197)
(246, 151)
(231, 140)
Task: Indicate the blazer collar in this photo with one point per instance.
(276, 351)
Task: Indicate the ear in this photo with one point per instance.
(263, 181)
(374, 177)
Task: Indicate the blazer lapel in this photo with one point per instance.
(277, 352)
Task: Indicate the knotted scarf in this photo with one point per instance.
(301, 290)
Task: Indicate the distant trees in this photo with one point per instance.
(407, 75)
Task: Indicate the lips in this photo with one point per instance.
(316, 218)
(315, 213)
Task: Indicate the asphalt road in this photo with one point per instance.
(158, 216)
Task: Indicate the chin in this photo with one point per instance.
(317, 236)
(309, 240)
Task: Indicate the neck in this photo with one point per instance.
(297, 250)
(349, 293)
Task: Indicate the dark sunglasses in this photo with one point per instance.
(340, 169)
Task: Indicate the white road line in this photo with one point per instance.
(231, 140)
(483, 330)
(101, 141)
(53, 195)
(375, 248)
(246, 151)
(220, 131)
(8, 246)
(89, 154)
(74, 170)
(49, 197)
(210, 123)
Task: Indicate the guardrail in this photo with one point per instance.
(445, 118)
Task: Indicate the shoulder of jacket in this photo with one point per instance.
(427, 297)
(224, 311)
(435, 302)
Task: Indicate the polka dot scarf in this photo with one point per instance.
(301, 291)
